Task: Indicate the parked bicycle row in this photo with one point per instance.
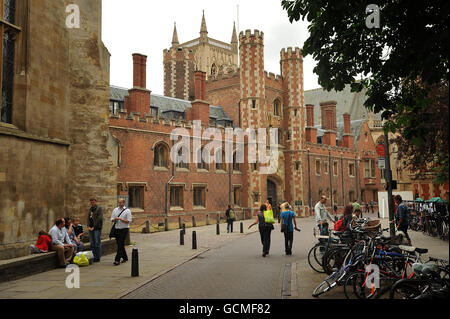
(430, 217)
(369, 265)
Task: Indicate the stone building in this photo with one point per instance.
(201, 54)
(54, 119)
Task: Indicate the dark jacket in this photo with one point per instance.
(97, 218)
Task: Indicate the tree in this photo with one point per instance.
(399, 63)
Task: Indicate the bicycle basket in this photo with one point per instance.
(372, 227)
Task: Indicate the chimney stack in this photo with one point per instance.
(200, 108)
(139, 96)
(311, 131)
(328, 110)
(347, 137)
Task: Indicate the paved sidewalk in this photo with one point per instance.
(307, 279)
(158, 254)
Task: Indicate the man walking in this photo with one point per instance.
(231, 216)
(95, 225)
(372, 205)
(288, 222)
(61, 243)
(121, 217)
(321, 215)
(402, 217)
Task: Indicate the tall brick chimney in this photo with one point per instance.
(200, 108)
(347, 137)
(139, 96)
(311, 131)
(328, 110)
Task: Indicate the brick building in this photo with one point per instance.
(328, 159)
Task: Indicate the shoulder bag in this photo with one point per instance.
(113, 232)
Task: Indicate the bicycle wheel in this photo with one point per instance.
(315, 258)
(407, 289)
(330, 282)
(353, 286)
(334, 259)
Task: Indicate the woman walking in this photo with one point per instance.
(265, 230)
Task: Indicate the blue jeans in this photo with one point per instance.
(323, 229)
(95, 238)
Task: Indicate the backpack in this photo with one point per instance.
(339, 225)
(231, 214)
(268, 217)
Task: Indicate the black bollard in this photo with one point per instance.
(184, 229)
(135, 263)
(218, 229)
(181, 237)
(194, 240)
(242, 228)
(166, 224)
(207, 219)
(147, 227)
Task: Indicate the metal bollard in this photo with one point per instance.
(194, 240)
(207, 219)
(181, 237)
(194, 224)
(242, 228)
(166, 224)
(218, 229)
(147, 227)
(184, 229)
(135, 263)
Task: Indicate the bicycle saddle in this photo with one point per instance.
(421, 250)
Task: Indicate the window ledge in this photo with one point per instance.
(237, 172)
(137, 210)
(161, 169)
(199, 208)
(202, 170)
(182, 169)
(176, 208)
(221, 171)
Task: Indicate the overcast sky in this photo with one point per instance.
(146, 27)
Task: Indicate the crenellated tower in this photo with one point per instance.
(293, 122)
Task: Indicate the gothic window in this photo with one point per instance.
(161, 156)
(318, 167)
(351, 169)
(213, 69)
(335, 168)
(220, 159)
(237, 196)
(201, 162)
(182, 160)
(236, 166)
(8, 32)
(277, 108)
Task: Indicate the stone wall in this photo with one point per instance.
(53, 156)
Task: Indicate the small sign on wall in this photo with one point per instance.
(381, 163)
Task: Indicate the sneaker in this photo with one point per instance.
(124, 261)
(264, 254)
(116, 263)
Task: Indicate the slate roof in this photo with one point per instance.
(347, 102)
(168, 104)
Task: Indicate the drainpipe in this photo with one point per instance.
(330, 170)
(342, 173)
(309, 183)
(166, 208)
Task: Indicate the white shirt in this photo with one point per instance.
(59, 236)
(321, 213)
(125, 215)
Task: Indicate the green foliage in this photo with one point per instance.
(399, 63)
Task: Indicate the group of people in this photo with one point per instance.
(66, 236)
(287, 218)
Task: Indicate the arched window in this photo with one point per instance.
(236, 166)
(161, 156)
(220, 161)
(183, 161)
(277, 107)
(202, 164)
